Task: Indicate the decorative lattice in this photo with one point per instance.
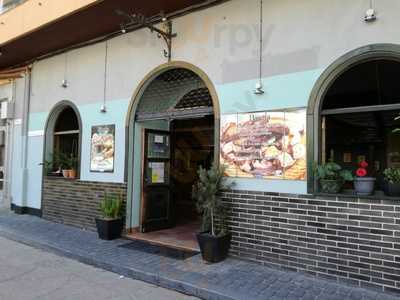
(174, 89)
(196, 98)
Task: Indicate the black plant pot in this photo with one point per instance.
(214, 248)
(109, 229)
(392, 189)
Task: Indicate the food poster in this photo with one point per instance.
(102, 148)
(228, 135)
(296, 149)
(269, 145)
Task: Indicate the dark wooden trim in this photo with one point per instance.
(359, 109)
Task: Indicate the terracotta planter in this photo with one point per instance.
(72, 173)
(364, 186)
(65, 173)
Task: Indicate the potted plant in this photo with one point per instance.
(364, 185)
(110, 224)
(331, 177)
(392, 179)
(214, 238)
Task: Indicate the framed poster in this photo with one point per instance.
(102, 148)
(268, 145)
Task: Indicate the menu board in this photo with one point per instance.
(270, 145)
(102, 148)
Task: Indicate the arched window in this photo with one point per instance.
(358, 116)
(63, 135)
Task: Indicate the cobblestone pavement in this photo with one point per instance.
(232, 279)
(31, 274)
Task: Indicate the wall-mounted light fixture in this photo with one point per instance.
(259, 85)
(370, 14)
(64, 83)
(135, 20)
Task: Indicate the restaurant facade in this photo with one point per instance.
(266, 88)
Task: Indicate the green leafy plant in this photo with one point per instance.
(392, 175)
(209, 204)
(111, 206)
(332, 171)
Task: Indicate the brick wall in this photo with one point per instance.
(351, 240)
(75, 202)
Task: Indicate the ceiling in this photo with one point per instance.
(93, 22)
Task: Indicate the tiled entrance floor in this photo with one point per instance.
(182, 237)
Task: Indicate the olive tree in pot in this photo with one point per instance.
(110, 224)
(392, 180)
(214, 238)
(331, 177)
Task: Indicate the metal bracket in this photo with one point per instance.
(138, 20)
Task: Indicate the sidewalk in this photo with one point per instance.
(232, 279)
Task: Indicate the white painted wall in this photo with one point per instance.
(301, 38)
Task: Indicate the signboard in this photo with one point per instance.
(102, 148)
(269, 145)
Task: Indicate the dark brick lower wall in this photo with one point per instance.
(75, 202)
(351, 240)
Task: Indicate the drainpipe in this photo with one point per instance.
(25, 137)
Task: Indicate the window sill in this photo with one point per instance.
(351, 195)
(53, 177)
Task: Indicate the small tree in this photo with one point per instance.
(209, 203)
(111, 206)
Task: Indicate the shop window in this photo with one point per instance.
(359, 118)
(63, 141)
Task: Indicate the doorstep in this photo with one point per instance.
(231, 279)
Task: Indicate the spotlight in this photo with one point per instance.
(259, 88)
(370, 15)
(103, 108)
(123, 29)
(163, 17)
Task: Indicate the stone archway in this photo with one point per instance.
(132, 203)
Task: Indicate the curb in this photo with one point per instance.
(161, 281)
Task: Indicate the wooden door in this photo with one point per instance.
(156, 187)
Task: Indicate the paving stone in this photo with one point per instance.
(232, 279)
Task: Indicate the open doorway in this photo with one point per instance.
(175, 135)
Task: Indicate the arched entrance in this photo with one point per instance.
(352, 110)
(173, 128)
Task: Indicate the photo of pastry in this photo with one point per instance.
(269, 145)
(102, 148)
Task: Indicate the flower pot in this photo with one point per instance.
(392, 189)
(214, 248)
(331, 186)
(72, 173)
(364, 186)
(109, 229)
(65, 173)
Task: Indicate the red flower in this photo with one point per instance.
(361, 172)
(364, 164)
